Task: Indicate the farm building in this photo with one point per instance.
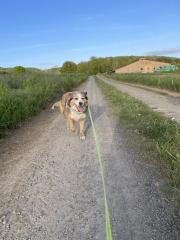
(146, 66)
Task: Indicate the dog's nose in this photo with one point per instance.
(80, 103)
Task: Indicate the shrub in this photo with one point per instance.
(68, 67)
(18, 69)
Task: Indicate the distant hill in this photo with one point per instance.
(53, 70)
(31, 69)
(108, 64)
(27, 69)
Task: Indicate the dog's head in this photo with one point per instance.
(78, 101)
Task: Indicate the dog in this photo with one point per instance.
(74, 106)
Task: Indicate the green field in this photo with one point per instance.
(169, 81)
(23, 94)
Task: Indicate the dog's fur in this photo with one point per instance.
(74, 106)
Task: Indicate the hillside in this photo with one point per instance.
(108, 64)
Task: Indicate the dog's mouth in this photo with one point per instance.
(80, 109)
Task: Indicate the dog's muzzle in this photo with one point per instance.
(81, 108)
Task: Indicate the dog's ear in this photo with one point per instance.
(70, 97)
(85, 94)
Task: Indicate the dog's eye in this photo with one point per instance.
(82, 98)
(76, 98)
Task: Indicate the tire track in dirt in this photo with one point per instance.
(165, 104)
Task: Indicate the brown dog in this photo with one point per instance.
(74, 106)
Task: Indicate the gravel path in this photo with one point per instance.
(167, 105)
(51, 189)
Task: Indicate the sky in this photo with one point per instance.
(46, 33)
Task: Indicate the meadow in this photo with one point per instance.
(24, 94)
(169, 81)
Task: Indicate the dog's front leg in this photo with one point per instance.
(81, 125)
(71, 125)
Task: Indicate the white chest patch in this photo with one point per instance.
(77, 116)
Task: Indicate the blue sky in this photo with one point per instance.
(46, 33)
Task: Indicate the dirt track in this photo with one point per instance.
(165, 104)
(51, 189)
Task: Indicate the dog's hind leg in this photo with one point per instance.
(61, 107)
(68, 124)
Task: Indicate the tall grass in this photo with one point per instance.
(167, 81)
(24, 94)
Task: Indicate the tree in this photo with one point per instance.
(19, 69)
(83, 67)
(68, 67)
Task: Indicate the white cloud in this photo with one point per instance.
(164, 51)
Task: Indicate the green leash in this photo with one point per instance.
(108, 223)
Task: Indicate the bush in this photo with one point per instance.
(69, 67)
(18, 69)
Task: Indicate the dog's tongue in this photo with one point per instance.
(80, 109)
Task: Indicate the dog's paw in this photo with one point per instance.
(73, 130)
(82, 137)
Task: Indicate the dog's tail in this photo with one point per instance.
(55, 105)
(58, 105)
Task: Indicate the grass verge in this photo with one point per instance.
(163, 132)
(24, 94)
(165, 81)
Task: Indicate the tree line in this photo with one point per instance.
(97, 65)
(109, 64)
